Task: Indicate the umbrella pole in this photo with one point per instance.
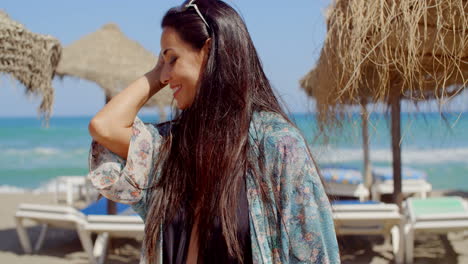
(111, 208)
(396, 149)
(365, 143)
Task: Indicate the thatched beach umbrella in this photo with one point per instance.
(112, 60)
(385, 51)
(30, 58)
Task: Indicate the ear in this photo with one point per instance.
(207, 48)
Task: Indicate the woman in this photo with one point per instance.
(231, 179)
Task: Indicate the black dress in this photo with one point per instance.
(176, 233)
(176, 237)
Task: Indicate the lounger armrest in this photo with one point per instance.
(448, 216)
(112, 219)
(361, 216)
(48, 211)
(365, 208)
(47, 208)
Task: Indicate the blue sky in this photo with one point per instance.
(288, 38)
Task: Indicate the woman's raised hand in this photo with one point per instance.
(154, 76)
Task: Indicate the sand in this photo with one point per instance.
(63, 246)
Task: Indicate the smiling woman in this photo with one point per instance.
(231, 179)
(182, 66)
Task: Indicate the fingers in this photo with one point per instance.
(160, 60)
(154, 76)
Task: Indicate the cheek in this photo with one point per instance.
(195, 73)
(192, 78)
(188, 79)
(185, 74)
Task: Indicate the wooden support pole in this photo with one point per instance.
(365, 143)
(396, 149)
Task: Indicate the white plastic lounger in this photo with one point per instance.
(73, 184)
(89, 220)
(412, 182)
(111, 226)
(438, 215)
(370, 218)
(347, 182)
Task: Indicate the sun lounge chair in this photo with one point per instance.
(413, 182)
(92, 219)
(370, 218)
(342, 181)
(112, 226)
(73, 185)
(433, 215)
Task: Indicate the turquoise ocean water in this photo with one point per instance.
(31, 155)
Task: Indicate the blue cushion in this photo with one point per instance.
(100, 207)
(338, 202)
(342, 175)
(386, 174)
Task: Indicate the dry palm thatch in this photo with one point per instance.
(385, 49)
(30, 58)
(112, 60)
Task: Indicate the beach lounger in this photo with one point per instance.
(433, 215)
(370, 218)
(92, 219)
(342, 181)
(74, 185)
(112, 226)
(413, 182)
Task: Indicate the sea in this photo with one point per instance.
(33, 155)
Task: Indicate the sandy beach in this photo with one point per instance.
(63, 246)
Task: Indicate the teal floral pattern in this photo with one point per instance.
(298, 228)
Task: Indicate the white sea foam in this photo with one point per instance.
(409, 156)
(47, 187)
(43, 189)
(41, 151)
(46, 151)
(12, 189)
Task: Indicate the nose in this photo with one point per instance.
(165, 74)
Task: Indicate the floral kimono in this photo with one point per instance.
(303, 226)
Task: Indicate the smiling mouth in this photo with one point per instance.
(176, 90)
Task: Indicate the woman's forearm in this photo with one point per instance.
(111, 126)
(122, 109)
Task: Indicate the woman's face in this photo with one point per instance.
(182, 67)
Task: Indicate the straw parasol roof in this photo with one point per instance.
(30, 58)
(385, 51)
(112, 60)
(409, 49)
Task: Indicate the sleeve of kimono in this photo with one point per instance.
(122, 180)
(307, 233)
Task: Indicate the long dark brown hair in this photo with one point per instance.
(205, 156)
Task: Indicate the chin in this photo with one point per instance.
(181, 106)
